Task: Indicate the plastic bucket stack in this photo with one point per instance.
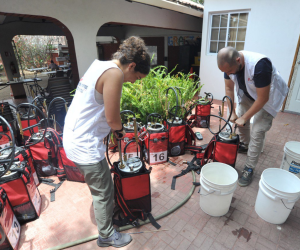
(277, 194)
(291, 157)
(218, 182)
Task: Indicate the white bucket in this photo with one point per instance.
(277, 194)
(291, 158)
(218, 182)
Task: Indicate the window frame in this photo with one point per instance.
(229, 13)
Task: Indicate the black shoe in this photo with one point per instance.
(246, 177)
(243, 148)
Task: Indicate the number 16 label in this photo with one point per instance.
(158, 157)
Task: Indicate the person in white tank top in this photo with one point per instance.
(261, 92)
(94, 111)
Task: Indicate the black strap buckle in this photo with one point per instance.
(135, 223)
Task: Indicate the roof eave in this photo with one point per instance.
(174, 6)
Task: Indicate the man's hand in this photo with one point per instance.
(240, 121)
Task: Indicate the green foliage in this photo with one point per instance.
(34, 51)
(148, 95)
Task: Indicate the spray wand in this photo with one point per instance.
(136, 135)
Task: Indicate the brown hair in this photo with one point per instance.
(133, 49)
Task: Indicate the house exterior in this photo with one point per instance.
(268, 27)
(83, 21)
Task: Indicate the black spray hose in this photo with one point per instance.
(155, 115)
(220, 117)
(10, 161)
(2, 133)
(141, 156)
(54, 100)
(127, 227)
(107, 156)
(127, 111)
(44, 118)
(208, 95)
(167, 91)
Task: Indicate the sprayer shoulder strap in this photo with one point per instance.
(209, 151)
(191, 166)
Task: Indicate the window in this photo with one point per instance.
(228, 30)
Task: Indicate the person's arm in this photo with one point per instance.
(110, 84)
(229, 90)
(262, 99)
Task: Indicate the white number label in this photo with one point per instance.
(35, 178)
(158, 157)
(37, 201)
(14, 232)
(130, 155)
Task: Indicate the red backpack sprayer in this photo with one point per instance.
(175, 126)
(132, 186)
(10, 228)
(201, 118)
(156, 142)
(17, 180)
(132, 150)
(222, 148)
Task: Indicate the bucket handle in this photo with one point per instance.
(216, 191)
(277, 198)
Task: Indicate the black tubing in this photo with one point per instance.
(31, 105)
(226, 121)
(153, 115)
(2, 133)
(141, 156)
(54, 100)
(13, 147)
(174, 90)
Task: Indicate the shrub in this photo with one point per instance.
(148, 95)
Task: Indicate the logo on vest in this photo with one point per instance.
(249, 79)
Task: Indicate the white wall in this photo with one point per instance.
(273, 29)
(84, 18)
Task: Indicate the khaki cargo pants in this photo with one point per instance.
(98, 178)
(254, 139)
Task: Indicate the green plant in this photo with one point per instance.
(148, 95)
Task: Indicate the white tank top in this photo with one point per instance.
(85, 124)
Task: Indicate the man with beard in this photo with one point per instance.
(261, 92)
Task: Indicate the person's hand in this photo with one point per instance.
(240, 121)
(233, 117)
(119, 134)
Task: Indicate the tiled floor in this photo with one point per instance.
(71, 216)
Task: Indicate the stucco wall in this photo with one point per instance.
(273, 29)
(84, 18)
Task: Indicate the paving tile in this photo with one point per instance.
(199, 239)
(188, 227)
(207, 243)
(184, 245)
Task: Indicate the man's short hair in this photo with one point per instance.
(228, 55)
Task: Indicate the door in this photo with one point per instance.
(294, 92)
